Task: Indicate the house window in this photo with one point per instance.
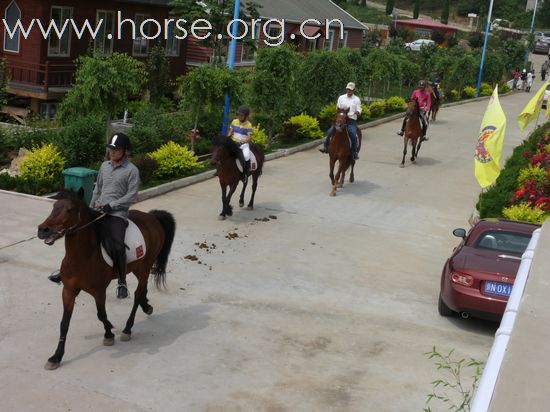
(60, 46)
(311, 44)
(250, 47)
(274, 33)
(172, 43)
(141, 44)
(104, 40)
(423, 33)
(329, 40)
(343, 42)
(12, 15)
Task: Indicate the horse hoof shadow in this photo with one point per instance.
(340, 185)
(413, 162)
(401, 165)
(221, 217)
(50, 366)
(125, 337)
(250, 208)
(108, 341)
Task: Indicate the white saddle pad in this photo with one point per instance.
(253, 163)
(134, 240)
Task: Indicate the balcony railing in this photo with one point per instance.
(43, 76)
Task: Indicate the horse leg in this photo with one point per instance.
(254, 186)
(139, 299)
(228, 207)
(342, 179)
(351, 176)
(413, 157)
(224, 196)
(404, 152)
(108, 338)
(69, 296)
(331, 175)
(241, 198)
(338, 176)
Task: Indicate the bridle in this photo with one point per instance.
(74, 228)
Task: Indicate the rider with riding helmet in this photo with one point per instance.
(423, 96)
(353, 103)
(240, 131)
(115, 190)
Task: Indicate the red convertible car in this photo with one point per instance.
(478, 278)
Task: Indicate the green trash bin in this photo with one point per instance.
(80, 177)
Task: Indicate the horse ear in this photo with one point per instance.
(80, 193)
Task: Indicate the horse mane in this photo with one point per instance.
(228, 144)
(73, 196)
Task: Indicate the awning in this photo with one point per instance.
(307, 31)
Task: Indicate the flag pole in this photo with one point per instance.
(484, 48)
(530, 32)
(231, 63)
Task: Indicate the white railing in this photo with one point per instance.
(486, 388)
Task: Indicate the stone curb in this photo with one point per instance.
(9, 192)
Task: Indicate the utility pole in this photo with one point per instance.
(484, 48)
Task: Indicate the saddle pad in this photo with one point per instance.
(253, 163)
(134, 240)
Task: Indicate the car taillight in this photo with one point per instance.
(462, 279)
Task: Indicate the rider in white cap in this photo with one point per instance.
(353, 103)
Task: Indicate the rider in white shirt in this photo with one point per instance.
(351, 101)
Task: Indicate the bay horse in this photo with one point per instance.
(436, 103)
(224, 157)
(413, 131)
(339, 149)
(83, 267)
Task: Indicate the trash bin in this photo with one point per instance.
(80, 177)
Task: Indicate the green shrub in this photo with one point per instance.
(26, 185)
(453, 95)
(537, 173)
(175, 161)
(308, 127)
(395, 103)
(523, 212)
(486, 89)
(147, 167)
(43, 162)
(365, 113)
(468, 92)
(82, 140)
(377, 109)
(259, 136)
(326, 116)
(18, 137)
(503, 88)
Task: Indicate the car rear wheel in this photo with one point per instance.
(443, 309)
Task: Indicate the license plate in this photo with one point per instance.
(496, 288)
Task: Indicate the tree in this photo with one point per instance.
(158, 69)
(389, 6)
(103, 85)
(218, 13)
(416, 11)
(445, 12)
(274, 88)
(203, 90)
(363, 3)
(4, 80)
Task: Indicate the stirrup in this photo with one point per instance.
(122, 291)
(400, 133)
(55, 277)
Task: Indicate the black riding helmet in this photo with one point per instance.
(119, 141)
(421, 83)
(243, 110)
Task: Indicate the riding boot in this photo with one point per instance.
(55, 277)
(402, 131)
(326, 141)
(246, 170)
(122, 289)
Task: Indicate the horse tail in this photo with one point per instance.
(168, 224)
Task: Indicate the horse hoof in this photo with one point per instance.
(108, 341)
(220, 217)
(50, 366)
(250, 208)
(332, 194)
(401, 165)
(125, 337)
(351, 180)
(241, 204)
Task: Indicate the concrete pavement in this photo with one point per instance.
(329, 307)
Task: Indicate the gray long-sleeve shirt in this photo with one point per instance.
(116, 186)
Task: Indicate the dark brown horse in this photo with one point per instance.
(436, 103)
(339, 149)
(83, 267)
(224, 156)
(413, 131)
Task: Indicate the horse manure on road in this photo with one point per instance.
(232, 236)
(273, 217)
(191, 257)
(262, 219)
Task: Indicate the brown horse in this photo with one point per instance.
(413, 131)
(224, 156)
(339, 149)
(436, 103)
(83, 267)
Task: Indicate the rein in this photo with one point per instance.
(74, 229)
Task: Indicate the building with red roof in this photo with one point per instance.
(425, 29)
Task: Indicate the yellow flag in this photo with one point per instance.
(531, 111)
(488, 149)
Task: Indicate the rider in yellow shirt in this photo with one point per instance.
(240, 131)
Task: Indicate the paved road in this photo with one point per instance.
(331, 306)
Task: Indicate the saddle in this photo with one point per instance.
(253, 163)
(134, 242)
